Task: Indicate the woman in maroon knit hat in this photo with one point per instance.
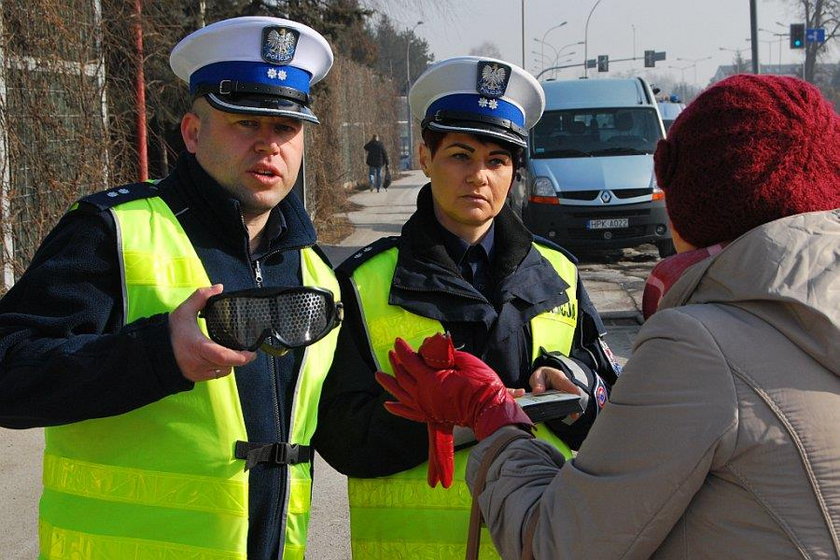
(722, 436)
(750, 150)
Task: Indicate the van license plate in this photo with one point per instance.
(614, 223)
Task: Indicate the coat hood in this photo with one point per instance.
(786, 272)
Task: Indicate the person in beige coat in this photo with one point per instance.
(722, 436)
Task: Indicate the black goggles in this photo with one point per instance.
(274, 320)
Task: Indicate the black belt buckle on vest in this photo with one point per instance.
(279, 453)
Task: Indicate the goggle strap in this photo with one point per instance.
(279, 453)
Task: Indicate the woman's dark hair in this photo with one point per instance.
(433, 138)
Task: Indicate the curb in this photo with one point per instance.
(623, 316)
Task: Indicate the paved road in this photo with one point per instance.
(615, 290)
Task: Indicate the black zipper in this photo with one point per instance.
(285, 491)
(467, 295)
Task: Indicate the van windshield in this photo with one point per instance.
(595, 132)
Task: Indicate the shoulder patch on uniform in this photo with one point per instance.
(552, 245)
(363, 255)
(104, 200)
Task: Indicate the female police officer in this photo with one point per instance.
(463, 264)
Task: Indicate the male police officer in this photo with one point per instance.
(148, 434)
(463, 264)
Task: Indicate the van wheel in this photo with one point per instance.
(665, 248)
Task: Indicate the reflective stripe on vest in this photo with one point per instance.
(160, 482)
(555, 330)
(317, 360)
(400, 516)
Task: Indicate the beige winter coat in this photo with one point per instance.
(722, 437)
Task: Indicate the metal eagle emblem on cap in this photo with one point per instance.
(492, 79)
(278, 44)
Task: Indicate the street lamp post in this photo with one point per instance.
(541, 53)
(539, 58)
(683, 87)
(780, 38)
(682, 70)
(694, 62)
(561, 24)
(409, 34)
(557, 62)
(558, 52)
(523, 32)
(739, 57)
(769, 47)
(782, 25)
(586, 38)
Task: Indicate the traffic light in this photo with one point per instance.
(797, 35)
(650, 59)
(603, 63)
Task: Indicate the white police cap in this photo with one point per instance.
(478, 95)
(254, 65)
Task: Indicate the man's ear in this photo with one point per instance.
(190, 128)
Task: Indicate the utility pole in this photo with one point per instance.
(754, 36)
(140, 93)
(523, 33)
(586, 38)
(408, 36)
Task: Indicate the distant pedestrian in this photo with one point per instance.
(376, 159)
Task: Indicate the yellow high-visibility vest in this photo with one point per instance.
(400, 516)
(161, 482)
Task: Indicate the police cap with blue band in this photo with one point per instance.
(254, 65)
(478, 95)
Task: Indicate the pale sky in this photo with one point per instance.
(692, 30)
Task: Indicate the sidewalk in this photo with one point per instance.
(617, 296)
(381, 214)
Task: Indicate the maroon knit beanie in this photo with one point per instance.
(749, 150)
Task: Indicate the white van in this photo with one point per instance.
(589, 168)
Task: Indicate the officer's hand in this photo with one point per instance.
(444, 387)
(545, 378)
(198, 357)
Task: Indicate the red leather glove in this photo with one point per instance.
(443, 386)
(441, 440)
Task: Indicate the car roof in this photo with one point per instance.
(603, 92)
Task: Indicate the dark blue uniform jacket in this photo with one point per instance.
(356, 435)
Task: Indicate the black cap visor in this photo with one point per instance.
(481, 125)
(494, 133)
(260, 104)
